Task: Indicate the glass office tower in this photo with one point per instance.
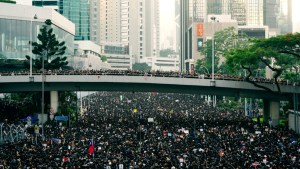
(77, 12)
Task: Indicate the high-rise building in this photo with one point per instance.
(152, 38)
(177, 23)
(76, 11)
(272, 10)
(95, 21)
(285, 22)
(131, 22)
(110, 20)
(79, 13)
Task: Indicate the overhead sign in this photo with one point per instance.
(61, 118)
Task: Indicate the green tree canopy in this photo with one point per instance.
(103, 58)
(225, 40)
(49, 49)
(279, 54)
(200, 67)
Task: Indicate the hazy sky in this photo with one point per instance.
(296, 15)
(167, 15)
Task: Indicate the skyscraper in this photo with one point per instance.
(131, 22)
(95, 21)
(272, 11)
(177, 23)
(151, 28)
(79, 13)
(285, 17)
(76, 11)
(110, 20)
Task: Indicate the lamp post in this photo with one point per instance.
(213, 50)
(43, 93)
(69, 115)
(212, 83)
(30, 45)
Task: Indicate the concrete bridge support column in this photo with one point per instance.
(53, 102)
(271, 109)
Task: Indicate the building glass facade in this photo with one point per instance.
(15, 37)
(45, 2)
(79, 13)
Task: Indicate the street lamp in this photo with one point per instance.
(30, 45)
(213, 83)
(43, 92)
(213, 51)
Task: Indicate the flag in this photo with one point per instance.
(92, 147)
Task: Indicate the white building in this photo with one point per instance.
(87, 56)
(117, 55)
(20, 24)
(170, 63)
(131, 22)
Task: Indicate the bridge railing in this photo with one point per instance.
(173, 74)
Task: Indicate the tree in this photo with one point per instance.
(225, 40)
(68, 101)
(288, 46)
(103, 58)
(166, 52)
(285, 44)
(141, 66)
(278, 53)
(200, 67)
(49, 49)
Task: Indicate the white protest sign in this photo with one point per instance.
(150, 120)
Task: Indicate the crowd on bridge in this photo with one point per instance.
(175, 74)
(155, 130)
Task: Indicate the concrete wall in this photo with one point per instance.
(292, 122)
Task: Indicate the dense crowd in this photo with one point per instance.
(174, 74)
(8, 109)
(155, 130)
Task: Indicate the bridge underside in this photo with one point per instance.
(139, 87)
